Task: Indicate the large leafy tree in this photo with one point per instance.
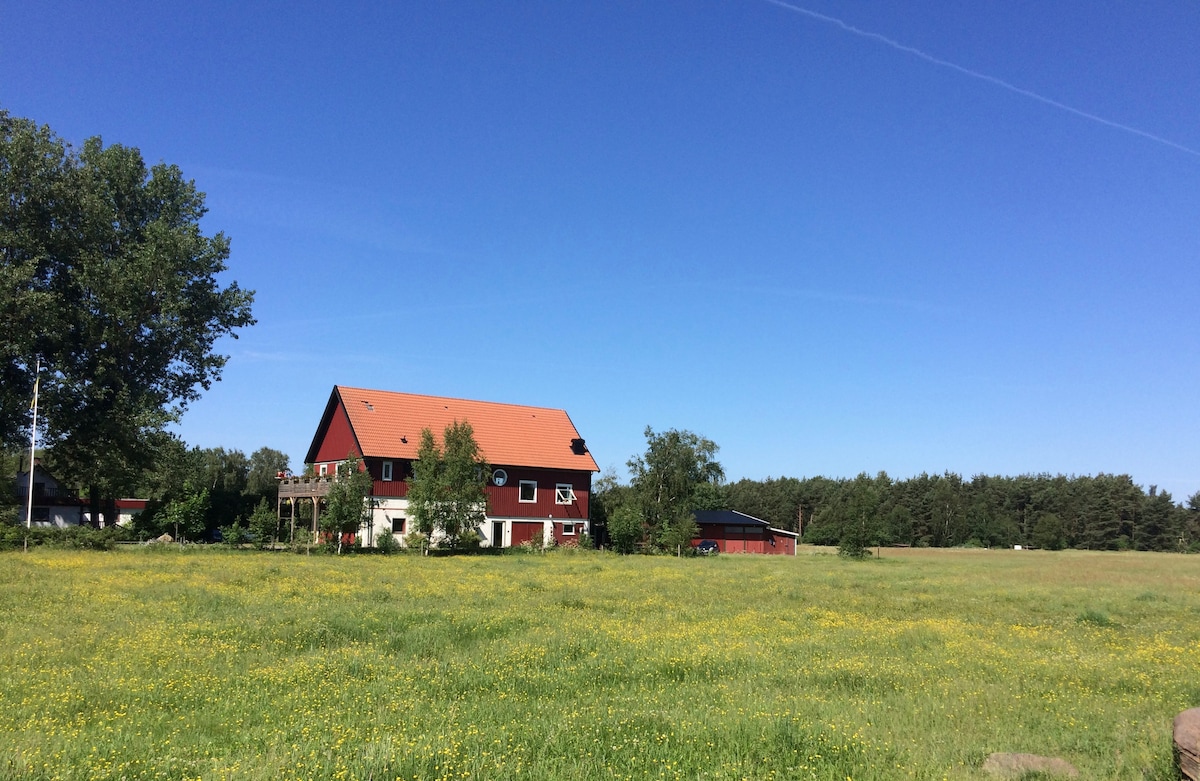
(108, 281)
(677, 475)
(263, 478)
(446, 490)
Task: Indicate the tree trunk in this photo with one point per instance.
(94, 507)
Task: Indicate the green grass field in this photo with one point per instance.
(241, 665)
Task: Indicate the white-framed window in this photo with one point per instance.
(324, 470)
(527, 491)
(387, 471)
(568, 528)
(564, 494)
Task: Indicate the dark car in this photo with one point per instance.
(708, 548)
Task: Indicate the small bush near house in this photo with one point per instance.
(538, 543)
(233, 535)
(416, 542)
(302, 541)
(387, 543)
(264, 525)
(469, 541)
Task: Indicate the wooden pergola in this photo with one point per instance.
(297, 489)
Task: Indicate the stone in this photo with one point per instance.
(1016, 765)
(1187, 743)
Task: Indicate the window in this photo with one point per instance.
(564, 494)
(568, 528)
(324, 469)
(528, 491)
(387, 471)
(398, 525)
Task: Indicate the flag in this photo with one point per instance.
(37, 378)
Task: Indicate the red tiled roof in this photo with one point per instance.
(508, 434)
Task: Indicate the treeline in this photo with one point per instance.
(1104, 512)
(210, 493)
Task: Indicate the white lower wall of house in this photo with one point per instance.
(62, 517)
(385, 511)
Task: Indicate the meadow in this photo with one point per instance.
(209, 664)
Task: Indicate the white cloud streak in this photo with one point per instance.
(876, 37)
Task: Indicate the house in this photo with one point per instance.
(541, 477)
(128, 509)
(736, 532)
(54, 503)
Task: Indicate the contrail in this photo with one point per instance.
(981, 76)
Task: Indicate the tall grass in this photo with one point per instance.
(224, 665)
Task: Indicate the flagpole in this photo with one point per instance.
(32, 447)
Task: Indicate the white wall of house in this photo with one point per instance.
(54, 515)
(385, 511)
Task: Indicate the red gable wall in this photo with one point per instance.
(339, 439)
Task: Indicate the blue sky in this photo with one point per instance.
(832, 237)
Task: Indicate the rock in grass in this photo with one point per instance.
(1017, 765)
(1187, 743)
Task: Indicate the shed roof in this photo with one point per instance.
(728, 517)
(388, 424)
(735, 518)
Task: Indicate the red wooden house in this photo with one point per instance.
(736, 532)
(541, 476)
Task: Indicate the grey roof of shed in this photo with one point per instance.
(728, 517)
(735, 518)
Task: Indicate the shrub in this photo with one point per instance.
(233, 535)
(854, 541)
(625, 528)
(302, 541)
(1096, 618)
(64, 537)
(469, 540)
(537, 543)
(263, 524)
(416, 542)
(387, 543)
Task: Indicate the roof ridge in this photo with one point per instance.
(447, 398)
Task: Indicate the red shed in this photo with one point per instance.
(736, 532)
(541, 469)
